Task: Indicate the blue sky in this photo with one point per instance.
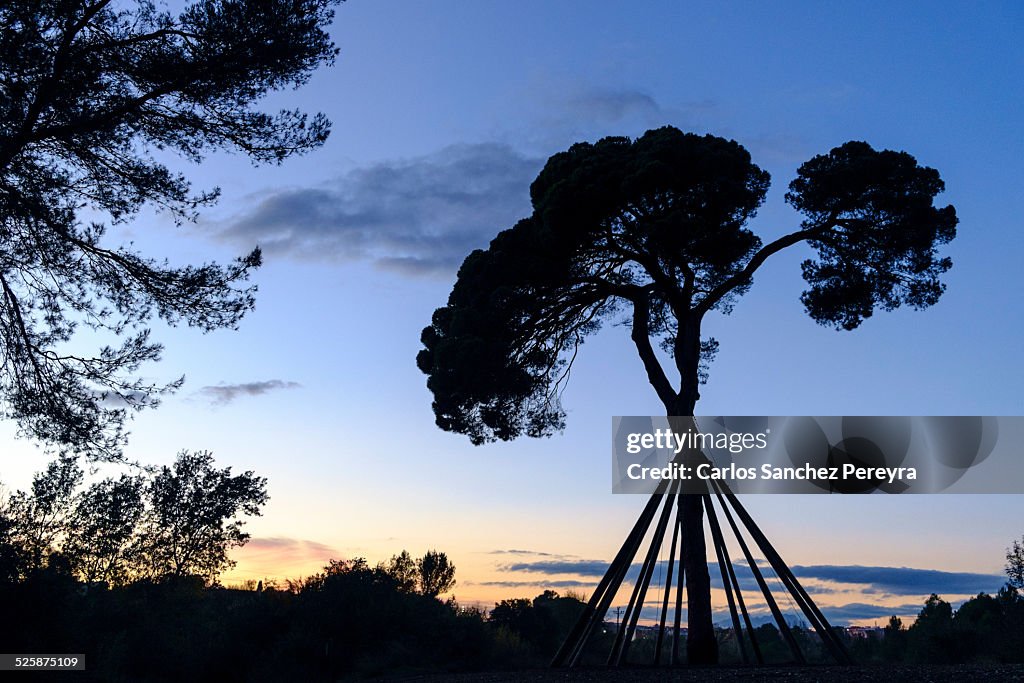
(443, 113)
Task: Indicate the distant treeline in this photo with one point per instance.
(354, 621)
(350, 620)
(986, 628)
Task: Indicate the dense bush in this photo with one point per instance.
(349, 621)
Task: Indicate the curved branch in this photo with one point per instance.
(743, 276)
(641, 337)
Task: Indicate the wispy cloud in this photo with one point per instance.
(514, 551)
(565, 583)
(561, 111)
(419, 216)
(602, 107)
(222, 394)
(280, 544)
(568, 113)
(282, 557)
(611, 105)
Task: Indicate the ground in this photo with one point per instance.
(815, 674)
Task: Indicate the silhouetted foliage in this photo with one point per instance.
(975, 624)
(773, 647)
(41, 517)
(880, 248)
(94, 95)
(181, 522)
(985, 628)
(515, 614)
(105, 544)
(402, 569)
(541, 624)
(14, 558)
(192, 519)
(1015, 564)
(352, 620)
(894, 640)
(436, 573)
(931, 636)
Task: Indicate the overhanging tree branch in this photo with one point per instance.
(89, 87)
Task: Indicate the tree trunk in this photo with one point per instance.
(701, 644)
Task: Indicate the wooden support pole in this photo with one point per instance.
(743, 607)
(643, 581)
(668, 586)
(719, 541)
(787, 634)
(572, 649)
(810, 610)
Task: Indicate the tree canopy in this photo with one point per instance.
(181, 521)
(195, 516)
(1015, 564)
(95, 96)
(654, 231)
(436, 573)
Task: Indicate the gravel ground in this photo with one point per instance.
(829, 674)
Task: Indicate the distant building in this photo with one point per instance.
(865, 632)
(643, 631)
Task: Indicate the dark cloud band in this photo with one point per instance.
(887, 580)
(419, 216)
